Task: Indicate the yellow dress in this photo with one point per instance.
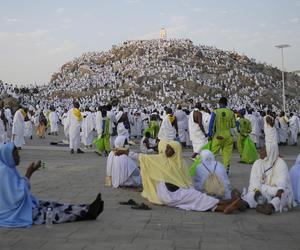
(160, 168)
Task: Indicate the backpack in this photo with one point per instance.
(213, 185)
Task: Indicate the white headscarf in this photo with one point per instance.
(207, 157)
(120, 141)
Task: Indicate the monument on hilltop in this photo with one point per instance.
(163, 34)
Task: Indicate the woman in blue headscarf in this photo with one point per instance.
(18, 208)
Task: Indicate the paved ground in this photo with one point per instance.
(78, 178)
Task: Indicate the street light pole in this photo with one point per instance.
(282, 46)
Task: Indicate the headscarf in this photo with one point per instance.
(160, 168)
(207, 158)
(120, 141)
(16, 201)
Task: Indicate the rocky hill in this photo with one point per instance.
(152, 73)
(168, 71)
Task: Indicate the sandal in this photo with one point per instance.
(142, 206)
(265, 209)
(129, 202)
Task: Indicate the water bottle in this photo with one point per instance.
(49, 217)
(244, 193)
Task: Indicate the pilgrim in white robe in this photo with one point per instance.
(28, 129)
(182, 123)
(295, 179)
(3, 133)
(210, 165)
(268, 176)
(136, 126)
(166, 131)
(122, 169)
(98, 123)
(53, 119)
(196, 135)
(283, 130)
(112, 127)
(255, 132)
(186, 198)
(8, 116)
(73, 127)
(65, 124)
(261, 140)
(87, 128)
(18, 129)
(271, 136)
(294, 129)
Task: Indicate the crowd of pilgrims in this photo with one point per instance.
(156, 165)
(144, 135)
(134, 68)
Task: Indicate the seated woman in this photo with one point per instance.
(122, 169)
(166, 181)
(209, 166)
(295, 179)
(19, 208)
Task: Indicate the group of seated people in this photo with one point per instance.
(165, 180)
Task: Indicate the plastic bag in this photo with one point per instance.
(249, 154)
(197, 160)
(194, 166)
(99, 144)
(207, 146)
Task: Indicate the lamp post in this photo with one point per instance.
(282, 46)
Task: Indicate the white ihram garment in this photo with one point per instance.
(283, 130)
(182, 123)
(122, 169)
(271, 136)
(53, 119)
(186, 198)
(166, 131)
(87, 128)
(294, 129)
(268, 176)
(255, 127)
(98, 123)
(196, 135)
(73, 128)
(18, 129)
(3, 133)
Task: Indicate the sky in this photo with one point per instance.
(38, 36)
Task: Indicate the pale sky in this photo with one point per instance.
(38, 36)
